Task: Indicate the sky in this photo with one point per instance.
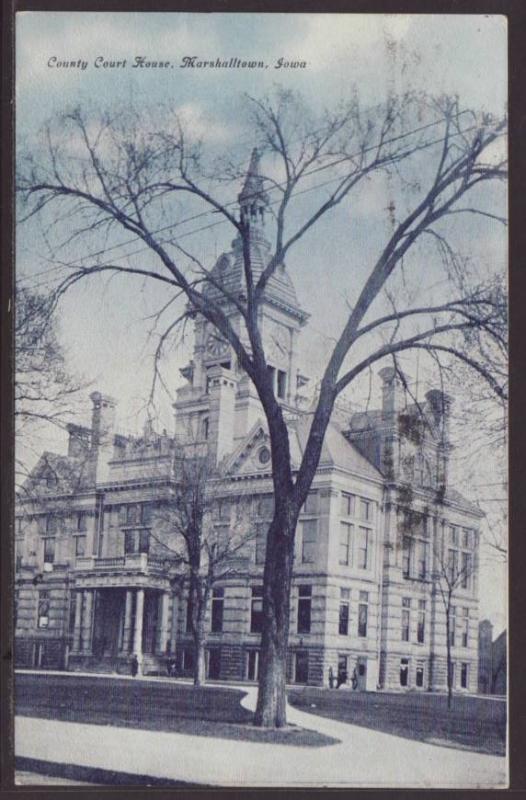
(104, 325)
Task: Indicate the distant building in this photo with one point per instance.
(492, 660)
(95, 587)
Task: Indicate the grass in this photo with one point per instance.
(181, 708)
(474, 723)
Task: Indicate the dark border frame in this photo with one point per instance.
(515, 10)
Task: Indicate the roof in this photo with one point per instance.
(336, 451)
(452, 496)
(55, 474)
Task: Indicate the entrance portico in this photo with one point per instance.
(113, 624)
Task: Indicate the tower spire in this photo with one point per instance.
(253, 199)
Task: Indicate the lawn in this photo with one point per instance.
(474, 723)
(164, 706)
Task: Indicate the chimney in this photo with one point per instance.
(391, 391)
(222, 391)
(102, 434)
(440, 406)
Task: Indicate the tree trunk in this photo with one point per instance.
(271, 704)
(449, 665)
(199, 657)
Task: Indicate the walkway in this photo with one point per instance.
(362, 758)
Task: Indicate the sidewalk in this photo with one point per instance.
(362, 758)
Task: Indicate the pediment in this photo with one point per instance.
(252, 456)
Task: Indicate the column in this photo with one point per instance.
(175, 614)
(127, 622)
(163, 626)
(78, 619)
(87, 621)
(139, 614)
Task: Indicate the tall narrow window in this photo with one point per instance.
(452, 625)
(363, 548)
(82, 521)
(144, 541)
(49, 550)
(43, 608)
(301, 674)
(363, 614)
(422, 559)
(406, 556)
(466, 570)
(421, 628)
(347, 505)
(261, 541)
(80, 546)
(404, 672)
(406, 618)
(218, 599)
(464, 673)
(309, 528)
(365, 509)
(420, 674)
(51, 524)
(346, 533)
(465, 627)
(343, 627)
(452, 565)
(256, 610)
(304, 609)
(282, 384)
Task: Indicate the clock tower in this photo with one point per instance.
(281, 319)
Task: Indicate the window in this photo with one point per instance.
(282, 384)
(466, 539)
(51, 480)
(452, 625)
(188, 661)
(363, 555)
(346, 537)
(452, 563)
(465, 627)
(421, 626)
(218, 596)
(214, 663)
(304, 608)
(422, 559)
(406, 618)
(420, 674)
(404, 672)
(466, 570)
(453, 536)
(144, 541)
(205, 428)
(49, 550)
(347, 505)
(302, 667)
(343, 625)
(365, 509)
(362, 614)
(43, 609)
(51, 525)
(308, 542)
(129, 542)
(265, 506)
(82, 521)
(464, 673)
(261, 541)
(256, 610)
(406, 556)
(80, 546)
(311, 504)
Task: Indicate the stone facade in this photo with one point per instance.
(95, 588)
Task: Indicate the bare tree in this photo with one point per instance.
(125, 176)
(45, 392)
(449, 576)
(207, 536)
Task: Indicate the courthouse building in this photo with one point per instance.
(95, 586)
